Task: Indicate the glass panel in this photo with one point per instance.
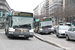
(73, 29)
(63, 27)
(70, 29)
(4, 14)
(1, 13)
(9, 22)
(22, 21)
(46, 23)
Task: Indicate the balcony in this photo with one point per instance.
(6, 7)
(3, 7)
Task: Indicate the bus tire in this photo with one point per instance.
(39, 32)
(49, 33)
(5, 32)
(26, 37)
(8, 36)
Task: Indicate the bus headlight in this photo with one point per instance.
(41, 29)
(31, 33)
(52, 28)
(32, 30)
(11, 29)
(10, 32)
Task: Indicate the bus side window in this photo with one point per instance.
(40, 24)
(6, 20)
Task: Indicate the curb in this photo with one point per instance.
(51, 42)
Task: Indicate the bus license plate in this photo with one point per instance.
(21, 35)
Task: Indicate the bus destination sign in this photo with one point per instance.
(47, 19)
(23, 14)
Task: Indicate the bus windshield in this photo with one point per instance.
(18, 21)
(21, 20)
(23, 26)
(46, 23)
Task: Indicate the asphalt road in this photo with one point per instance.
(23, 44)
(61, 41)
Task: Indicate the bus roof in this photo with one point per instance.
(45, 19)
(27, 14)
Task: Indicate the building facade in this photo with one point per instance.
(55, 8)
(62, 10)
(47, 7)
(59, 10)
(4, 10)
(36, 12)
(43, 10)
(39, 11)
(70, 11)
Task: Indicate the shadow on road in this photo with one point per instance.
(71, 40)
(44, 34)
(19, 38)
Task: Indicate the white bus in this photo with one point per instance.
(19, 24)
(44, 25)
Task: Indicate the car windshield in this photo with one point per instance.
(68, 24)
(55, 26)
(60, 23)
(63, 27)
(73, 29)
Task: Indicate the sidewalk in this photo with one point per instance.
(2, 31)
(50, 41)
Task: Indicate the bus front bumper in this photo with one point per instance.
(20, 34)
(46, 31)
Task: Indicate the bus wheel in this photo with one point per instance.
(8, 36)
(5, 32)
(38, 32)
(26, 37)
(49, 33)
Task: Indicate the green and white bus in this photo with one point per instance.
(19, 24)
(43, 25)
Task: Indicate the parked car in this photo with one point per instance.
(69, 24)
(61, 23)
(60, 31)
(70, 34)
(52, 29)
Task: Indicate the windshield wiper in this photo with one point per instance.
(15, 26)
(46, 26)
(22, 26)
